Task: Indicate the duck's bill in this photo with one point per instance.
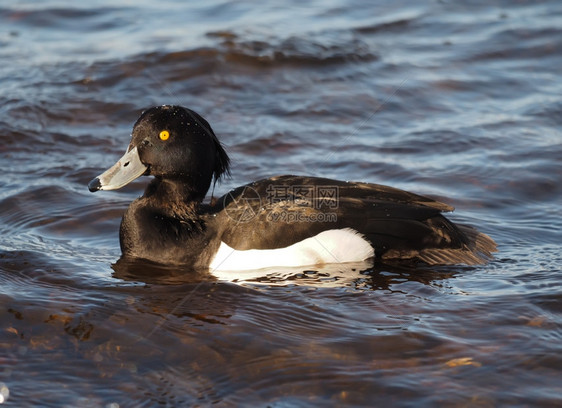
(128, 168)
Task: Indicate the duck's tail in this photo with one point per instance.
(477, 250)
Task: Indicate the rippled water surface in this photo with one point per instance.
(458, 101)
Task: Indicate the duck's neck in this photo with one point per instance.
(175, 198)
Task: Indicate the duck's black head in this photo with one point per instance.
(171, 143)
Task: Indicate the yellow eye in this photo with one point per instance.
(164, 135)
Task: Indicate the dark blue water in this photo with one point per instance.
(461, 102)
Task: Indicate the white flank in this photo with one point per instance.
(332, 246)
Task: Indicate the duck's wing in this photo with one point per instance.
(280, 211)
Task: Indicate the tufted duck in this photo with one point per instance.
(280, 221)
